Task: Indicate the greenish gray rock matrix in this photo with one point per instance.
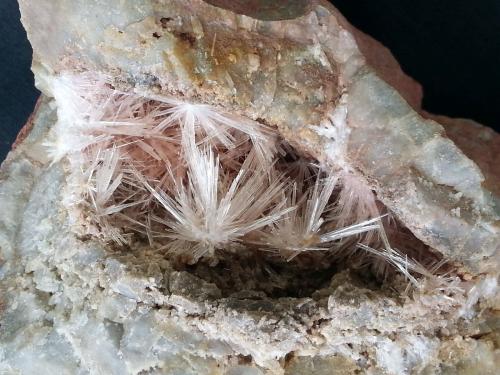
(111, 263)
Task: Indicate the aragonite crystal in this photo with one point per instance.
(173, 142)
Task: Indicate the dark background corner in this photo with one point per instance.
(17, 92)
(451, 47)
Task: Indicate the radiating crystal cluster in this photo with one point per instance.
(239, 188)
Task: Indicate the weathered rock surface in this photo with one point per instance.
(73, 305)
(479, 143)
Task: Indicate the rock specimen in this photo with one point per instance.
(240, 188)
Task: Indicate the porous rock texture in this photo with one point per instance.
(75, 305)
